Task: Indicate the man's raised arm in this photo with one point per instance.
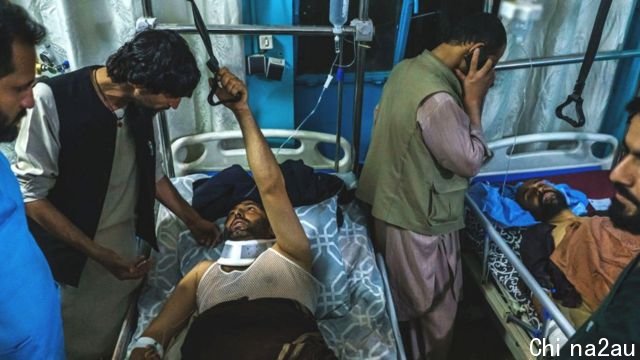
(290, 237)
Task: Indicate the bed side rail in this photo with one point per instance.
(127, 329)
(216, 151)
(577, 150)
(391, 310)
(525, 275)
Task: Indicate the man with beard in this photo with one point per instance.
(588, 252)
(257, 300)
(549, 206)
(30, 321)
(89, 174)
(617, 320)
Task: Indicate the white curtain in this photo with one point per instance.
(86, 32)
(524, 101)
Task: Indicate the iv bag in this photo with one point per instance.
(338, 12)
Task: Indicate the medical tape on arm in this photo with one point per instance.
(145, 341)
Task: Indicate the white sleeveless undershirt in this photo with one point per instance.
(271, 275)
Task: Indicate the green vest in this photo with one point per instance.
(400, 179)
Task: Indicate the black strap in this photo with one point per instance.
(212, 63)
(589, 56)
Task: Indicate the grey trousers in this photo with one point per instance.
(425, 276)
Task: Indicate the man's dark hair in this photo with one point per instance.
(15, 25)
(479, 28)
(633, 107)
(160, 61)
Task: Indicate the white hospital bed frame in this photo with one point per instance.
(215, 151)
(577, 153)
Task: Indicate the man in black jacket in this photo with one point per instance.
(88, 171)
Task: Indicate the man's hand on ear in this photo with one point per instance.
(475, 85)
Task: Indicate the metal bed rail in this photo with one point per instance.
(525, 275)
(390, 307)
(564, 59)
(246, 29)
(295, 30)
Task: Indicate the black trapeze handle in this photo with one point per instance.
(589, 57)
(212, 63)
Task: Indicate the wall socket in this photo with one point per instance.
(265, 42)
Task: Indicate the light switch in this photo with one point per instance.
(265, 42)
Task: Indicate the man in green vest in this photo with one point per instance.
(427, 142)
(614, 329)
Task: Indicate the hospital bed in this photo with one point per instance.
(581, 159)
(355, 311)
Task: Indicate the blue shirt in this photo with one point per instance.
(30, 318)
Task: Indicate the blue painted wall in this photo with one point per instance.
(307, 90)
(284, 104)
(271, 100)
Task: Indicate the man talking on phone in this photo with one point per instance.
(427, 142)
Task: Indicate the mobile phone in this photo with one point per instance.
(482, 59)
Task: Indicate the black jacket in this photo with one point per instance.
(88, 139)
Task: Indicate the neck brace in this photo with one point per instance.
(243, 252)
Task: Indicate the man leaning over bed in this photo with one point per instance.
(427, 142)
(89, 175)
(261, 309)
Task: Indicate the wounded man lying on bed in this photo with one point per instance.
(579, 257)
(260, 309)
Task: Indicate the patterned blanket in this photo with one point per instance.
(503, 272)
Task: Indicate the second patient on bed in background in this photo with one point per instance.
(578, 257)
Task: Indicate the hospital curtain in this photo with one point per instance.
(86, 32)
(195, 115)
(524, 101)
